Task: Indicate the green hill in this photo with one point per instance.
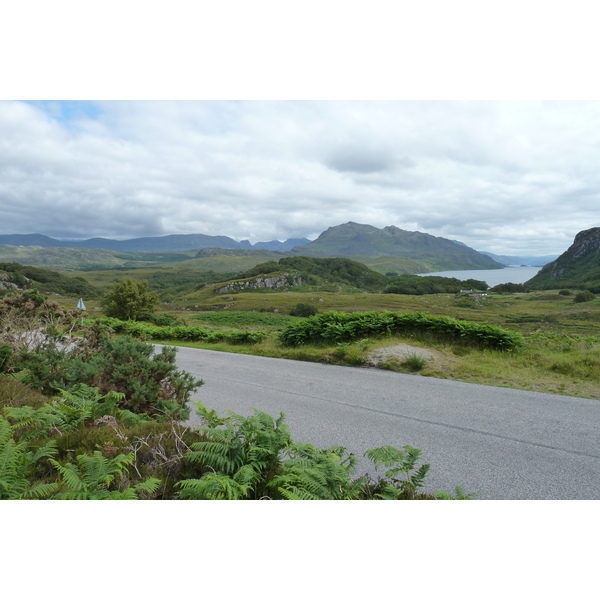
(434, 253)
(17, 276)
(577, 267)
(319, 271)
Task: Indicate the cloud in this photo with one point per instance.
(506, 177)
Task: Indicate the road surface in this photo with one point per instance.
(499, 443)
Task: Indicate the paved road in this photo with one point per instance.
(497, 442)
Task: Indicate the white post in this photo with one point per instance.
(81, 306)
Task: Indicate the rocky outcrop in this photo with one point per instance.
(280, 281)
(578, 265)
(6, 283)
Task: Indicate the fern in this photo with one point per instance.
(17, 464)
(400, 461)
(459, 491)
(314, 474)
(92, 477)
(217, 486)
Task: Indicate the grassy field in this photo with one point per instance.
(561, 355)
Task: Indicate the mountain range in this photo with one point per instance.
(354, 240)
(522, 261)
(409, 251)
(167, 243)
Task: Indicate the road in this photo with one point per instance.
(499, 443)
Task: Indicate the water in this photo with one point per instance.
(492, 276)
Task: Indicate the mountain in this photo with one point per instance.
(354, 240)
(391, 248)
(277, 246)
(523, 261)
(577, 267)
(167, 243)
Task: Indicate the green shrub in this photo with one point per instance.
(150, 383)
(5, 354)
(335, 327)
(143, 330)
(163, 320)
(585, 296)
(254, 457)
(302, 309)
(414, 362)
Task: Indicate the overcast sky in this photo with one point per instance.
(501, 175)
(506, 177)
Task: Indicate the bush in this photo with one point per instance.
(511, 288)
(164, 320)
(334, 327)
(150, 383)
(303, 309)
(584, 296)
(5, 354)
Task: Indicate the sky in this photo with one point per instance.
(508, 177)
(452, 119)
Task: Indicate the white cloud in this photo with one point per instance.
(507, 177)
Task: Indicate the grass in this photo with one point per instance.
(562, 354)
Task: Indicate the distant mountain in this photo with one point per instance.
(277, 246)
(167, 243)
(355, 240)
(578, 266)
(524, 261)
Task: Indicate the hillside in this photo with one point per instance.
(384, 250)
(322, 271)
(86, 259)
(14, 276)
(356, 240)
(578, 266)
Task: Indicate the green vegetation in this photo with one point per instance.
(130, 299)
(585, 296)
(517, 308)
(432, 284)
(26, 277)
(97, 417)
(302, 309)
(254, 458)
(339, 327)
(576, 268)
(510, 288)
(185, 333)
(365, 241)
(321, 271)
(233, 318)
(548, 321)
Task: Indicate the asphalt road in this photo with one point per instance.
(499, 443)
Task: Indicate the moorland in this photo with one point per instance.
(561, 353)
(103, 418)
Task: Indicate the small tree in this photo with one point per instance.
(129, 299)
(303, 310)
(584, 296)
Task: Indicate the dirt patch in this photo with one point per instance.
(400, 352)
